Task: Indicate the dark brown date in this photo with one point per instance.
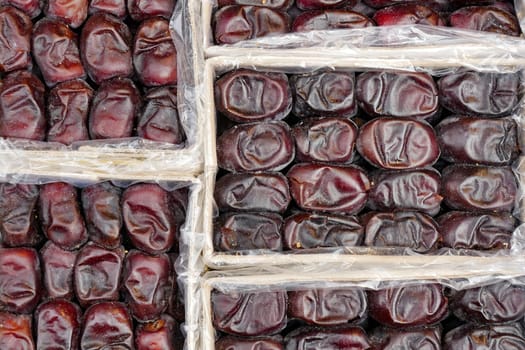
(57, 325)
(18, 209)
(252, 192)
(235, 23)
(310, 231)
(248, 96)
(408, 306)
(156, 335)
(16, 331)
(323, 4)
(328, 139)
(485, 337)
(464, 230)
(398, 143)
(249, 313)
(116, 8)
(478, 140)
(479, 188)
(486, 19)
(245, 231)
(72, 13)
(324, 94)
(259, 343)
(58, 266)
(435, 4)
(329, 188)
(409, 229)
(140, 10)
(273, 4)
(404, 14)
(406, 190)
(428, 338)
(397, 94)
(479, 94)
(327, 339)
(115, 108)
(454, 4)
(30, 7)
(330, 19)
(15, 47)
(327, 307)
(263, 146)
(114, 60)
(22, 113)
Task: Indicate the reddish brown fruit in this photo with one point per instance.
(72, 12)
(16, 332)
(116, 8)
(156, 335)
(330, 19)
(58, 266)
(30, 7)
(404, 14)
(15, 39)
(140, 10)
(336, 338)
(486, 19)
(57, 325)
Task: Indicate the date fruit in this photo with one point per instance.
(330, 19)
(57, 325)
(327, 139)
(22, 113)
(262, 146)
(72, 13)
(68, 106)
(273, 4)
(440, 5)
(140, 10)
(15, 39)
(485, 337)
(323, 4)
(30, 7)
(409, 229)
(249, 313)
(58, 267)
(259, 343)
(329, 188)
(408, 306)
(479, 94)
(409, 13)
(16, 331)
(398, 143)
(397, 94)
(406, 190)
(327, 339)
(327, 307)
(116, 8)
(235, 23)
(246, 231)
(428, 338)
(248, 96)
(479, 188)
(486, 19)
(156, 335)
(310, 231)
(464, 230)
(252, 192)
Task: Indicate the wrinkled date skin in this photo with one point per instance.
(22, 113)
(147, 282)
(252, 192)
(154, 54)
(30, 7)
(116, 8)
(159, 120)
(408, 306)
(263, 146)
(248, 96)
(68, 109)
(486, 19)
(464, 230)
(479, 188)
(20, 280)
(428, 338)
(273, 4)
(140, 10)
(234, 343)
(245, 231)
(58, 266)
(156, 335)
(324, 94)
(323, 4)
(60, 215)
(72, 13)
(398, 143)
(329, 140)
(478, 140)
(18, 224)
(115, 108)
(107, 325)
(330, 19)
(57, 325)
(410, 229)
(16, 331)
(479, 94)
(149, 218)
(435, 4)
(249, 314)
(105, 31)
(326, 307)
(235, 23)
(101, 204)
(327, 339)
(485, 337)
(310, 231)
(404, 14)
(15, 49)
(329, 188)
(397, 94)
(406, 190)
(501, 302)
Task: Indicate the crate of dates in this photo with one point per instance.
(97, 265)
(329, 309)
(94, 82)
(340, 163)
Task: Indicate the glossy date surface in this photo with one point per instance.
(273, 4)
(156, 335)
(16, 331)
(140, 10)
(57, 325)
(485, 337)
(72, 12)
(116, 8)
(15, 39)
(428, 338)
(238, 343)
(330, 19)
(57, 267)
(327, 339)
(404, 14)
(435, 4)
(486, 19)
(31, 7)
(323, 4)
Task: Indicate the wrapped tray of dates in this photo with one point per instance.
(339, 163)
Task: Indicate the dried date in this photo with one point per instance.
(30, 7)
(140, 10)
(485, 337)
(58, 266)
(323, 4)
(116, 8)
(15, 39)
(238, 343)
(57, 325)
(330, 19)
(156, 335)
(16, 331)
(440, 5)
(428, 338)
(72, 13)
(486, 19)
(327, 339)
(409, 13)
(273, 4)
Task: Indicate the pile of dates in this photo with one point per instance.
(84, 70)
(237, 20)
(379, 159)
(90, 268)
(404, 316)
